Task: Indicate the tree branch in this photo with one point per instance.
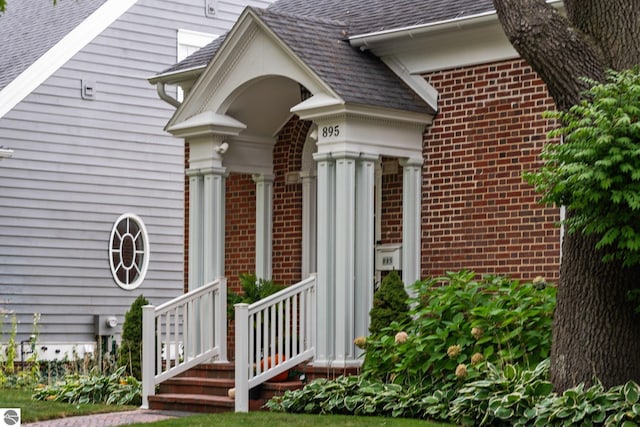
(559, 52)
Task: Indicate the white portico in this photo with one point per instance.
(231, 116)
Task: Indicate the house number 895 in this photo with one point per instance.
(329, 131)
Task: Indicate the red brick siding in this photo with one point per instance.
(478, 213)
(287, 203)
(391, 207)
(240, 228)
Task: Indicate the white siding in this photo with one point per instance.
(79, 164)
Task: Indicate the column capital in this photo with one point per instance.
(411, 162)
(350, 155)
(221, 171)
(322, 157)
(263, 177)
(369, 157)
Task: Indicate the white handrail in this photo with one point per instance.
(273, 335)
(183, 333)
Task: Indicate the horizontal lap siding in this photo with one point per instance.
(478, 213)
(79, 164)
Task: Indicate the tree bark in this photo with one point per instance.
(596, 332)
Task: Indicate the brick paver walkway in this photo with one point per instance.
(108, 420)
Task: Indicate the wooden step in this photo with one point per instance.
(205, 388)
(196, 385)
(191, 403)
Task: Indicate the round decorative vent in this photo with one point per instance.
(129, 251)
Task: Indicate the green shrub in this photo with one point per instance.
(389, 303)
(130, 353)
(503, 397)
(253, 289)
(114, 389)
(459, 322)
(461, 331)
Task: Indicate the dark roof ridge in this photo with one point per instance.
(302, 17)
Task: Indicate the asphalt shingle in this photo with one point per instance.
(29, 28)
(378, 15)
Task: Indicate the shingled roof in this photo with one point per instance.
(30, 28)
(378, 15)
(358, 17)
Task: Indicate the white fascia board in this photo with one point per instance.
(207, 123)
(367, 41)
(417, 83)
(61, 52)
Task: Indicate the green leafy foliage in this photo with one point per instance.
(389, 303)
(458, 320)
(503, 397)
(130, 353)
(416, 369)
(114, 389)
(253, 289)
(595, 172)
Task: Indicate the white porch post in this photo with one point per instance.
(213, 219)
(364, 245)
(264, 225)
(325, 282)
(411, 219)
(345, 246)
(195, 229)
(308, 224)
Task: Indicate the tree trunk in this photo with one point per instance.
(596, 332)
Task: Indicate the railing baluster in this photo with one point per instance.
(287, 328)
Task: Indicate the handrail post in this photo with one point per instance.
(242, 358)
(148, 354)
(221, 321)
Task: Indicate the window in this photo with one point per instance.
(129, 251)
(188, 43)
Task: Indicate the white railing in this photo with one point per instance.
(273, 335)
(183, 333)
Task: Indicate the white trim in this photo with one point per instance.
(61, 52)
(416, 82)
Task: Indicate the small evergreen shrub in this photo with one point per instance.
(389, 304)
(253, 289)
(130, 353)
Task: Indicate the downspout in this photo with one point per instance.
(5, 153)
(162, 93)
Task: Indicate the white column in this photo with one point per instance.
(264, 225)
(213, 220)
(364, 245)
(195, 229)
(308, 224)
(325, 282)
(411, 219)
(345, 256)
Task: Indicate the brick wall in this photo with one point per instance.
(287, 203)
(478, 213)
(240, 228)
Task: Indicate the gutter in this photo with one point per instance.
(366, 41)
(162, 80)
(369, 40)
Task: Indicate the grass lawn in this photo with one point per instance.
(38, 410)
(262, 419)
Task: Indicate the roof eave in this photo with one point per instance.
(368, 40)
(177, 76)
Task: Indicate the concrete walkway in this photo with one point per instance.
(110, 419)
